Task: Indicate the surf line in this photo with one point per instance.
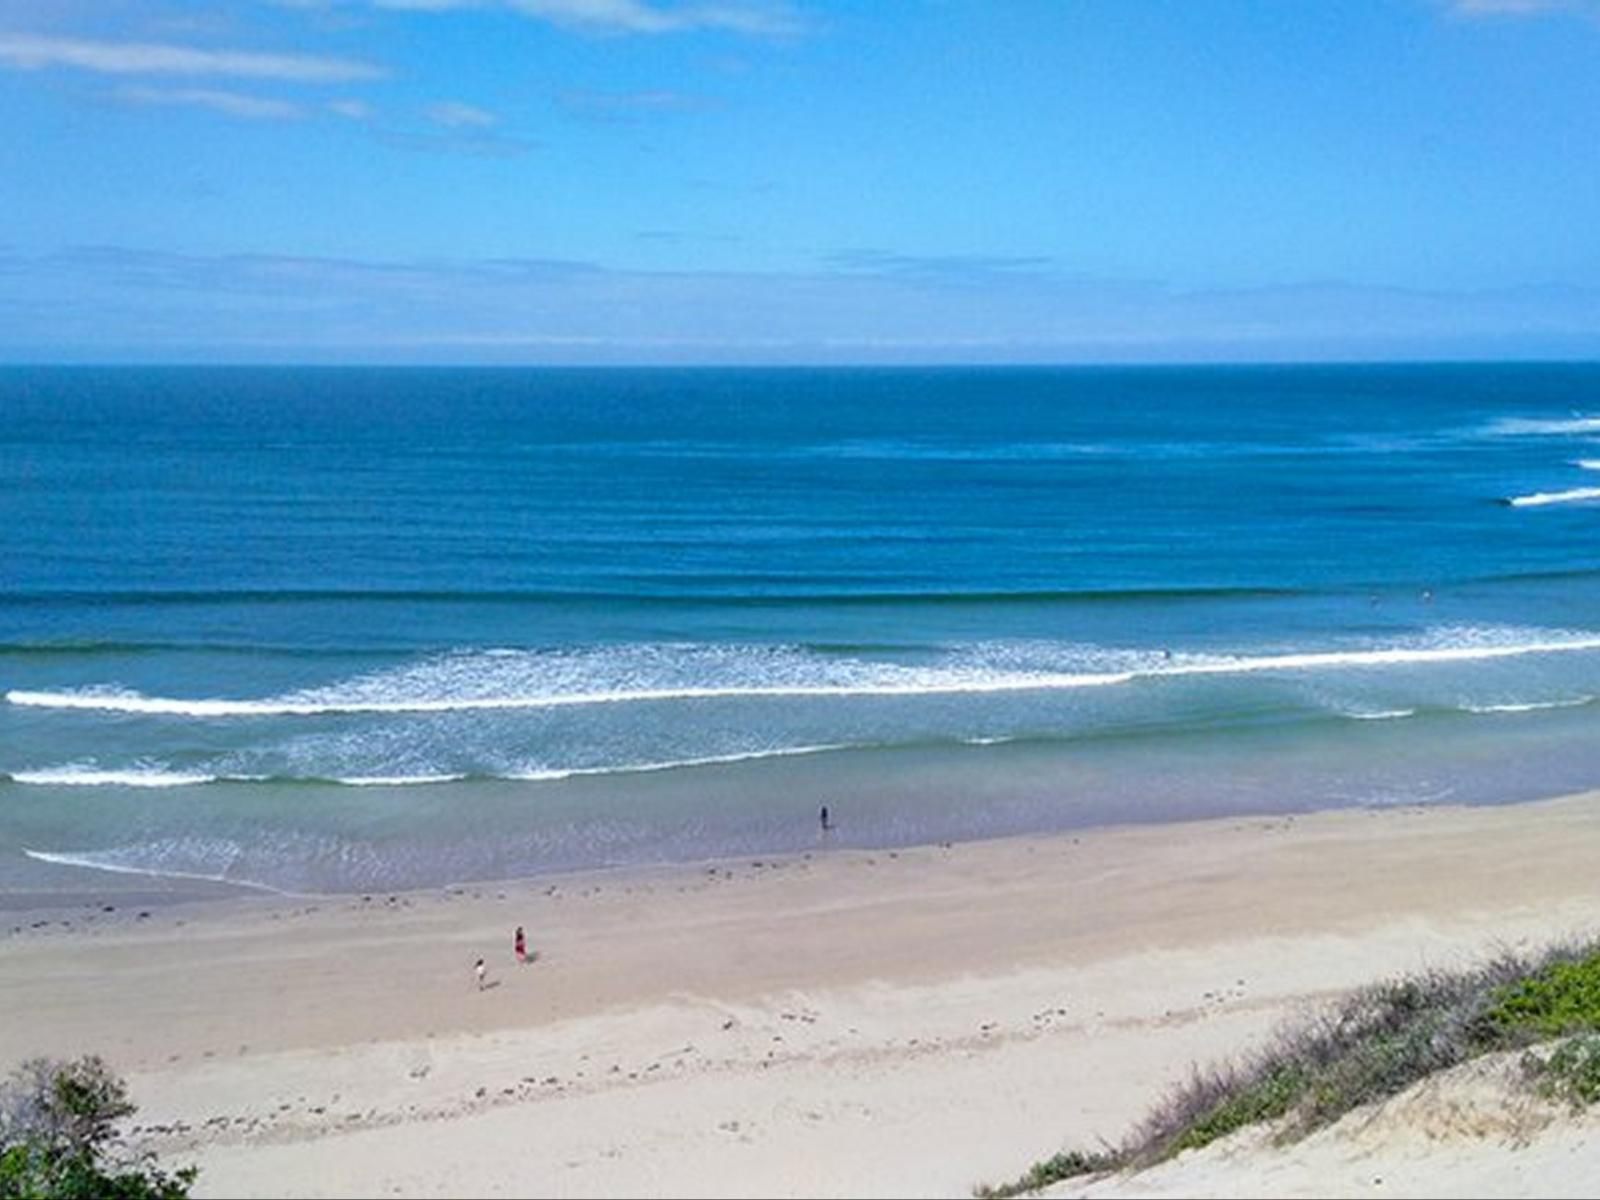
(133, 702)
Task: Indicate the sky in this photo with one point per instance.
(798, 181)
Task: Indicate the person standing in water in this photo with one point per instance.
(827, 823)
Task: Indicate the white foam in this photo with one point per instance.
(74, 775)
(1387, 714)
(395, 780)
(1529, 706)
(106, 860)
(544, 775)
(533, 681)
(1582, 495)
(1587, 464)
(166, 706)
(1545, 426)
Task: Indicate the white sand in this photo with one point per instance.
(851, 1023)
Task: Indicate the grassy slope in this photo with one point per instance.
(1373, 1044)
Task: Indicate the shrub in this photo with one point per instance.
(1571, 1073)
(1563, 997)
(58, 1138)
(1066, 1165)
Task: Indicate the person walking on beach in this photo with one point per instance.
(480, 971)
(519, 945)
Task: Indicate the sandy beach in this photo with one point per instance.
(839, 1022)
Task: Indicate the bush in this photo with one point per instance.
(1562, 998)
(1571, 1073)
(58, 1138)
(1066, 1165)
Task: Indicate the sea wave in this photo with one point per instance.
(153, 777)
(1584, 495)
(683, 594)
(1386, 714)
(75, 775)
(119, 862)
(1527, 706)
(511, 680)
(548, 774)
(395, 780)
(1546, 426)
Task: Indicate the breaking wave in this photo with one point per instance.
(501, 680)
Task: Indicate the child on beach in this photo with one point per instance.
(519, 946)
(480, 971)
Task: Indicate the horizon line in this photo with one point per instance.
(861, 365)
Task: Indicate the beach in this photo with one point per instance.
(832, 1022)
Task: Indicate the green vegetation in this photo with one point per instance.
(1570, 1073)
(1373, 1044)
(1236, 1105)
(1562, 998)
(1043, 1174)
(58, 1138)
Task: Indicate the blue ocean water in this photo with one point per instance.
(331, 629)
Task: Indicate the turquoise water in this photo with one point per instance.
(341, 629)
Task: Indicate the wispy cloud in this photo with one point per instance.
(353, 110)
(231, 104)
(944, 268)
(677, 237)
(452, 114)
(1523, 8)
(637, 16)
(624, 106)
(476, 142)
(112, 303)
(28, 52)
(760, 18)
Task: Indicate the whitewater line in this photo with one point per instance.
(1540, 499)
(91, 861)
(133, 702)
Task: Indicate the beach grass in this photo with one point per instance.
(1373, 1044)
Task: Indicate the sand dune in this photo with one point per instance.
(1472, 1131)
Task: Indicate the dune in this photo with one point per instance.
(1475, 1130)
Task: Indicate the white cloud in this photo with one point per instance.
(757, 17)
(354, 110)
(1522, 8)
(21, 51)
(617, 106)
(232, 104)
(453, 114)
(638, 16)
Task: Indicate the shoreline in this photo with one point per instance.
(161, 890)
(323, 839)
(830, 1024)
(152, 888)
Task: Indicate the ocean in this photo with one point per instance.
(331, 630)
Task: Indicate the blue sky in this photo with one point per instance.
(640, 181)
